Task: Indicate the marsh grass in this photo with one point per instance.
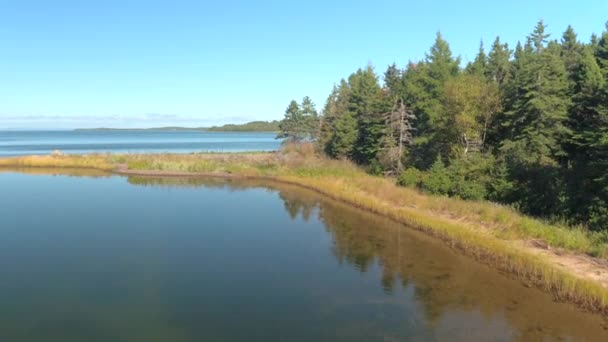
(92, 161)
(484, 230)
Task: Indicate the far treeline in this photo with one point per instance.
(527, 127)
(253, 126)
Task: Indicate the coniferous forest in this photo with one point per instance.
(523, 125)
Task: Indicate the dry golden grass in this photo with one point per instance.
(93, 161)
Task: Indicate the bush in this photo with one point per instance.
(471, 177)
(438, 180)
(411, 177)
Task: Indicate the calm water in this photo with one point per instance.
(15, 143)
(99, 258)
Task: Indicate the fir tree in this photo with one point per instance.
(480, 63)
(498, 67)
(365, 103)
(601, 53)
(587, 145)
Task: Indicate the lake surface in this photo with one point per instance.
(16, 143)
(92, 257)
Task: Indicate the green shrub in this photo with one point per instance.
(438, 180)
(411, 177)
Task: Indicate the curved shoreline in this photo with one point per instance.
(554, 271)
(508, 262)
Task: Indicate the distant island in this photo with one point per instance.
(253, 126)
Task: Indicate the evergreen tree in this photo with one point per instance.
(366, 104)
(499, 66)
(601, 53)
(293, 126)
(311, 117)
(300, 121)
(536, 116)
(393, 81)
(345, 136)
(571, 53)
(424, 84)
(587, 145)
(480, 63)
(538, 124)
(538, 38)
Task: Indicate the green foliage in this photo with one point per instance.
(499, 65)
(473, 177)
(301, 122)
(411, 177)
(438, 179)
(529, 131)
(342, 144)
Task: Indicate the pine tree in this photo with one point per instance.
(345, 137)
(335, 107)
(424, 84)
(571, 53)
(587, 145)
(499, 66)
(480, 63)
(293, 127)
(393, 82)
(311, 117)
(366, 104)
(601, 54)
(537, 110)
(538, 37)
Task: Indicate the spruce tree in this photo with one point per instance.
(537, 110)
(479, 65)
(571, 53)
(424, 83)
(601, 53)
(365, 103)
(587, 145)
(393, 82)
(498, 67)
(345, 136)
(311, 117)
(293, 127)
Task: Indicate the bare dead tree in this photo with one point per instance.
(399, 135)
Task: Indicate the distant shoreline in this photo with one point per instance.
(162, 129)
(253, 126)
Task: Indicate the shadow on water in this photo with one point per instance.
(419, 289)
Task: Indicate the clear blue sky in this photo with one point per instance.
(66, 64)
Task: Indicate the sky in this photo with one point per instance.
(70, 64)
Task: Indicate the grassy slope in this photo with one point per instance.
(480, 229)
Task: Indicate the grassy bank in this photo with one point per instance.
(493, 234)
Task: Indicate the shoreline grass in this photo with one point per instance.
(485, 231)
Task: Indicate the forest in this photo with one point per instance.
(525, 126)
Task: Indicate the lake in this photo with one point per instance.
(17, 143)
(86, 256)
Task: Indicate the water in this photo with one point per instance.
(16, 143)
(107, 258)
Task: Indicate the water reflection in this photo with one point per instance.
(190, 259)
(460, 299)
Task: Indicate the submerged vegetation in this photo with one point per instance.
(492, 233)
